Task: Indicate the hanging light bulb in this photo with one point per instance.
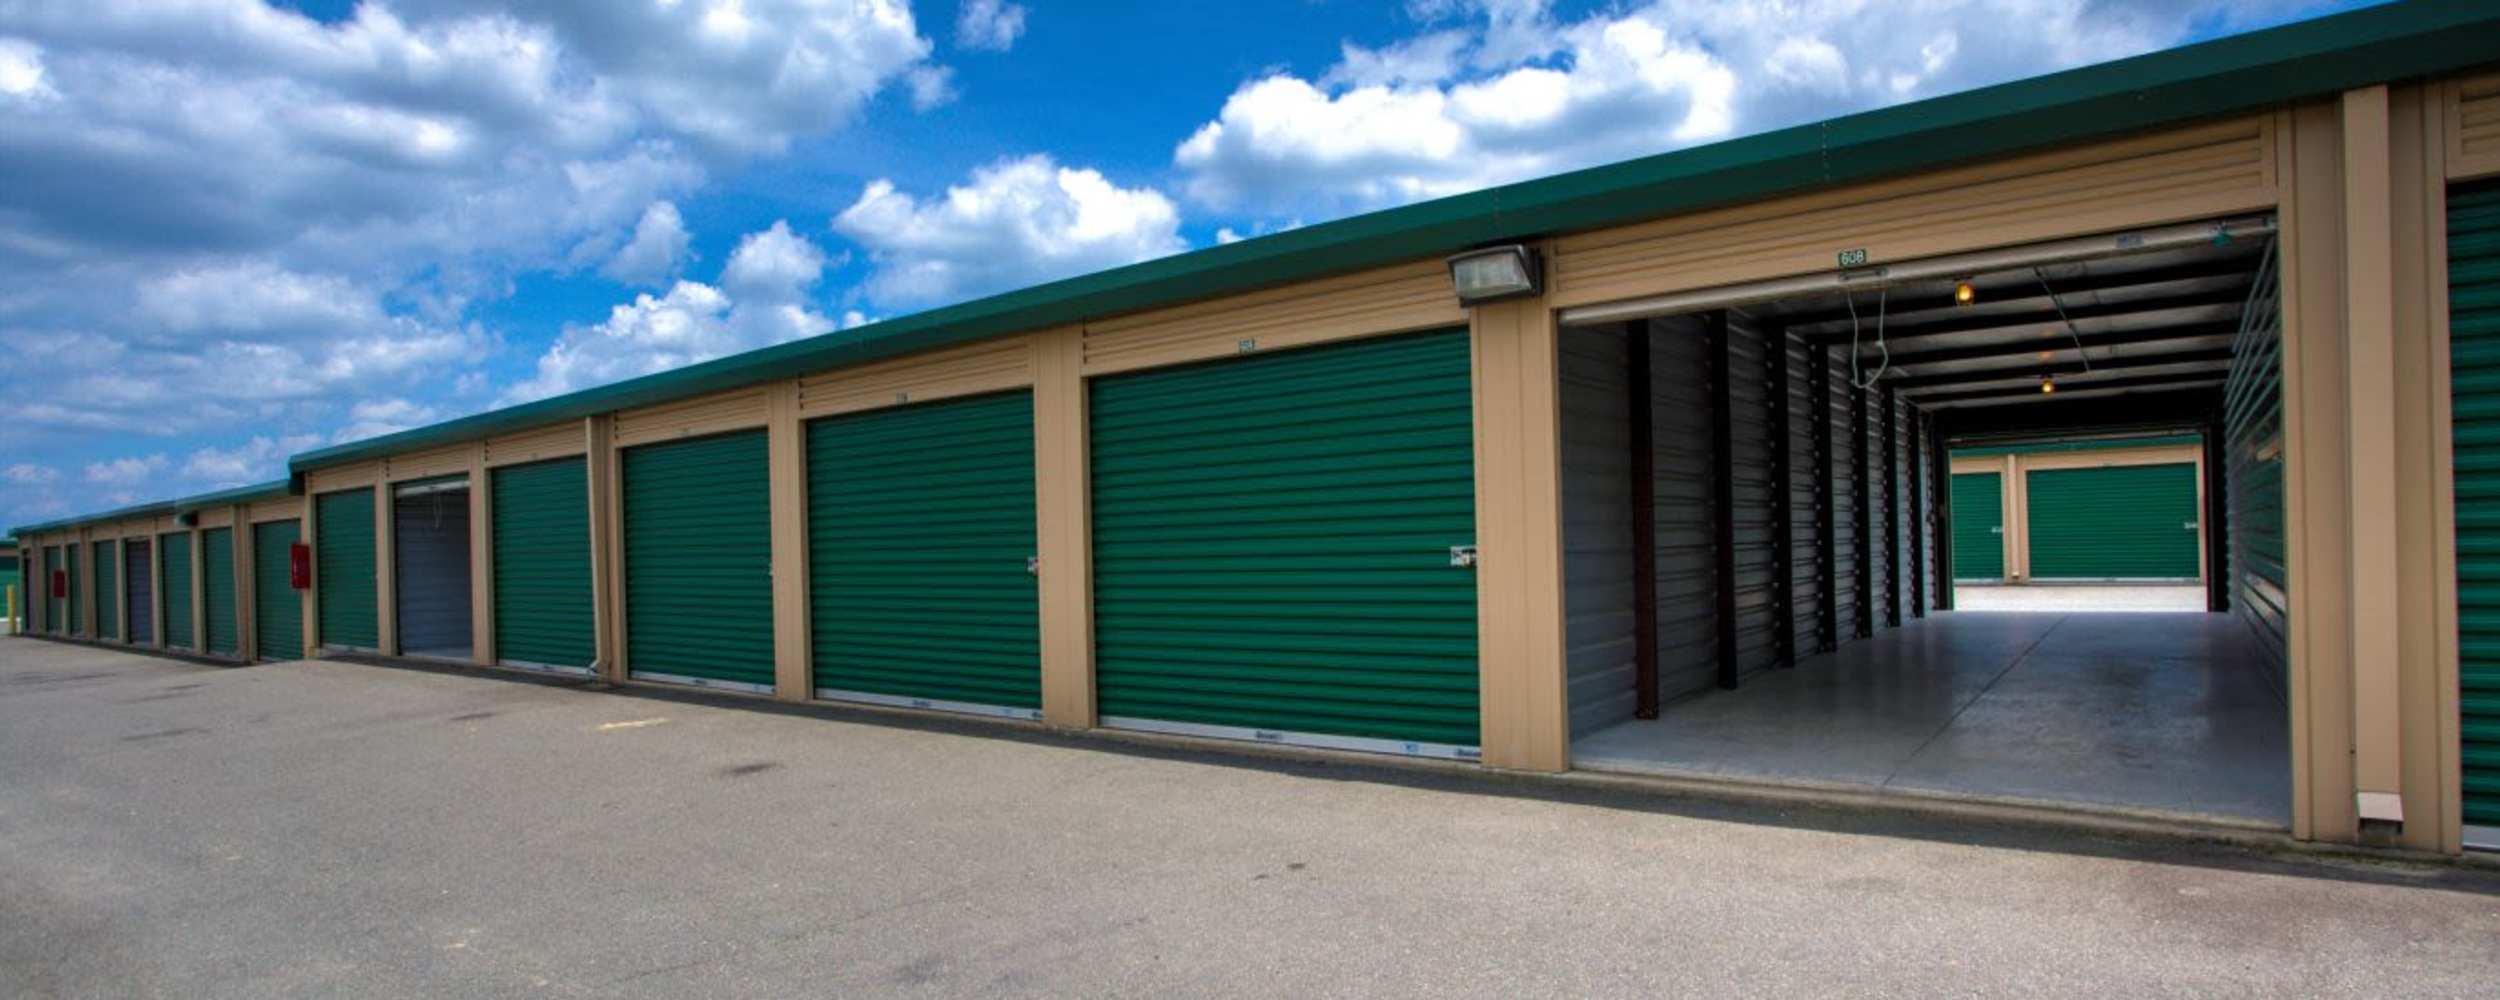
(1964, 294)
(2048, 385)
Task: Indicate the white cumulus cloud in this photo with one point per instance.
(1016, 222)
(1494, 91)
(657, 249)
(762, 298)
(993, 25)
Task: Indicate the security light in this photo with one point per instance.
(1495, 273)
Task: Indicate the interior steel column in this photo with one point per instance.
(1918, 468)
(1862, 490)
(1642, 432)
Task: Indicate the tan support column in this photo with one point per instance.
(1064, 526)
(385, 567)
(2425, 595)
(1523, 703)
(310, 599)
(2011, 528)
(606, 607)
(2316, 478)
(121, 589)
(2370, 395)
(481, 559)
(786, 479)
(246, 597)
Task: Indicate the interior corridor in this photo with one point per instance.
(2167, 714)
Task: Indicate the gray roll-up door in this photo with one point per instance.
(173, 557)
(1807, 484)
(1601, 635)
(1753, 493)
(1846, 476)
(430, 567)
(140, 570)
(1684, 505)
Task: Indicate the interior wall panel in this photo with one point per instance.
(1685, 508)
(1597, 528)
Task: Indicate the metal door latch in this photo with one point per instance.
(1463, 556)
(1033, 565)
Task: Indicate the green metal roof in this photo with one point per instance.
(240, 494)
(2228, 76)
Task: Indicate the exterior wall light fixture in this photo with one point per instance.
(1492, 274)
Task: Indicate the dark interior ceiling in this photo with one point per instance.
(2158, 322)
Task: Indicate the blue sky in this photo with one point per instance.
(234, 231)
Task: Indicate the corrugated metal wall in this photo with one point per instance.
(1684, 490)
(1904, 508)
(139, 607)
(1754, 496)
(430, 533)
(2253, 481)
(1597, 528)
(344, 571)
(1809, 491)
(2474, 359)
(1847, 484)
(173, 554)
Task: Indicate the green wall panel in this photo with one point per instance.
(173, 561)
(105, 559)
(344, 571)
(2474, 365)
(543, 607)
(2117, 522)
(1978, 526)
(920, 522)
(698, 559)
(224, 625)
(1272, 542)
(277, 607)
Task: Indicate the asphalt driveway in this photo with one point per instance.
(329, 829)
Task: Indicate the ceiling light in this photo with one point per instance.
(2048, 384)
(1496, 273)
(1964, 294)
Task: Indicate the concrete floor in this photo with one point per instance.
(2078, 597)
(2153, 713)
(318, 829)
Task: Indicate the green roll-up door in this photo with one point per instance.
(222, 627)
(173, 561)
(277, 610)
(106, 558)
(920, 525)
(541, 526)
(1272, 546)
(2474, 365)
(699, 560)
(2126, 522)
(343, 569)
(1978, 526)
